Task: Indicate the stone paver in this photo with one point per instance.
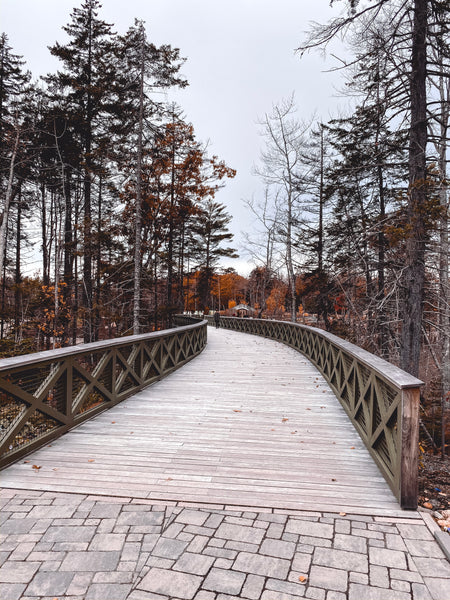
(116, 550)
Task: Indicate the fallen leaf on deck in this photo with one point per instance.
(112, 421)
(169, 479)
(352, 447)
(333, 480)
(427, 505)
(308, 409)
(91, 460)
(55, 469)
(284, 420)
(26, 461)
(35, 467)
(342, 514)
(302, 578)
(236, 410)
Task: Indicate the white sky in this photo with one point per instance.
(240, 61)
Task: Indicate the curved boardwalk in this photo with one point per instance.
(250, 421)
(238, 476)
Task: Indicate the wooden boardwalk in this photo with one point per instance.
(248, 422)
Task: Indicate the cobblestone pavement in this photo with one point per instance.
(81, 547)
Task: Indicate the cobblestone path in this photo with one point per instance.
(81, 547)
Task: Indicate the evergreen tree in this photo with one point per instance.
(87, 81)
(210, 228)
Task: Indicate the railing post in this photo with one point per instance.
(68, 395)
(409, 448)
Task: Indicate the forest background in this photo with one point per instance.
(352, 228)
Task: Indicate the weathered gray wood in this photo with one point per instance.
(248, 422)
(49, 355)
(410, 442)
(369, 389)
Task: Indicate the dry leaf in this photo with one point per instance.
(272, 430)
(169, 479)
(55, 469)
(284, 420)
(342, 514)
(26, 461)
(112, 421)
(91, 460)
(352, 447)
(302, 578)
(333, 480)
(427, 505)
(236, 410)
(308, 409)
(35, 467)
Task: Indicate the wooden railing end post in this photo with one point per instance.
(409, 448)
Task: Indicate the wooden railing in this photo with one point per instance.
(45, 394)
(381, 400)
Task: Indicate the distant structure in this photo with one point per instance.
(242, 310)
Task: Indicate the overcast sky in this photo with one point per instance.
(240, 61)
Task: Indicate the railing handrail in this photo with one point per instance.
(48, 355)
(387, 370)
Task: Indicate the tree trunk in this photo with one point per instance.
(414, 272)
(138, 211)
(87, 227)
(18, 277)
(10, 193)
(444, 252)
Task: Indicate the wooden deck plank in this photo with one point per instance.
(250, 421)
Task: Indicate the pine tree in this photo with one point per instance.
(211, 229)
(87, 82)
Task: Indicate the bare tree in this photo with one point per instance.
(262, 247)
(409, 25)
(439, 125)
(281, 170)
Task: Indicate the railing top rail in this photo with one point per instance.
(390, 372)
(58, 353)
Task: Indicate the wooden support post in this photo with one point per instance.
(409, 448)
(68, 390)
